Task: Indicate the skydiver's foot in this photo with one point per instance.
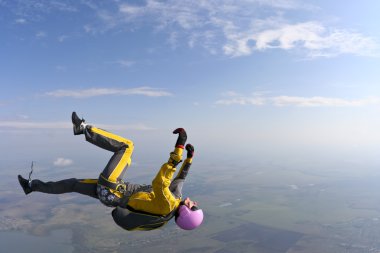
(25, 184)
(78, 124)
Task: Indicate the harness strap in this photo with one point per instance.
(165, 218)
(120, 186)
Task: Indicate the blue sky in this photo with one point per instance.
(244, 77)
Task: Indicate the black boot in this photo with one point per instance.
(24, 184)
(77, 127)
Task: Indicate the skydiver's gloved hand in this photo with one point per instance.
(190, 150)
(182, 137)
(176, 156)
(187, 163)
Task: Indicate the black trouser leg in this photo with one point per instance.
(82, 186)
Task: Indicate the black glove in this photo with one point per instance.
(190, 150)
(182, 137)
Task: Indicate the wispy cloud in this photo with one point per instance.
(94, 92)
(34, 125)
(233, 28)
(62, 38)
(62, 162)
(240, 29)
(138, 126)
(322, 101)
(125, 63)
(32, 8)
(26, 125)
(316, 101)
(41, 34)
(241, 100)
(131, 10)
(312, 37)
(20, 21)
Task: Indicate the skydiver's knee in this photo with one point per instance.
(129, 144)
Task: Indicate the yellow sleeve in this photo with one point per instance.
(161, 200)
(162, 181)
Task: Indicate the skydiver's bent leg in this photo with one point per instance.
(122, 148)
(117, 165)
(82, 186)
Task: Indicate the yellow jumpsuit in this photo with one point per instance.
(156, 199)
(141, 207)
(160, 200)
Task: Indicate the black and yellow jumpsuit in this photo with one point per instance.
(160, 198)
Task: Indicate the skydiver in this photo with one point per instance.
(137, 207)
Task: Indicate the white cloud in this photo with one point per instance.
(234, 28)
(139, 126)
(62, 38)
(94, 92)
(321, 101)
(33, 8)
(285, 4)
(34, 125)
(125, 63)
(232, 97)
(240, 29)
(242, 101)
(89, 28)
(26, 125)
(312, 37)
(173, 39)
(317, 101)
(131, 10)
(63, 162)
(20, 21)
(41, 34)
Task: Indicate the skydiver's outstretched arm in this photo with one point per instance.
(177, 183)
(163, 200)
(162, 181)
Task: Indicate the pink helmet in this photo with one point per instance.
(187, 218)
